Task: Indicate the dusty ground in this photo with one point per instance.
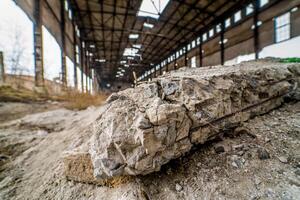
(15, 110)
(263, 163)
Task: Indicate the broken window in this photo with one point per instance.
(211, 32)
(193, 43)
(198, 40)
(218, 28)
(189, 47)
(263, 2)
(282, 27)
(227, 23)
(204, 37)
(249, 9)
(237, 16)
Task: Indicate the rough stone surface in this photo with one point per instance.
(32, 166)
(145, 127)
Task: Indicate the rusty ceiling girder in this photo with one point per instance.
(107, 24)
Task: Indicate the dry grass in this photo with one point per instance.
(79, 101)
(10, 94)
(70, 99)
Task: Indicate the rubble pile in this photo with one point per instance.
(145, 127)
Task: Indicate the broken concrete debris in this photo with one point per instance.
(145, 127)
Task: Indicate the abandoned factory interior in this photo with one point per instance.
(150, 99)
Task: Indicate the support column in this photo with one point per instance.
(86, 71)
(82, 64)
(185, 57)
(255, 31)
(63, 46)
(222, 43)
(160, 69)
(2, 72)
(175, 63)
(38, 45)
(200, 53)
(75, 55)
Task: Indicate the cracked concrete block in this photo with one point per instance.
(145, 127)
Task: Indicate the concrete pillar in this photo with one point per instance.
(86, 70)
(185, 58)
(200, 53)
(256, 31)
(63, 45)
(82, 52)
(75, 61)
(222, 47)
(160, 69)
(2, 72)
(38, 44)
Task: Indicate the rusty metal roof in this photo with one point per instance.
(105, 26)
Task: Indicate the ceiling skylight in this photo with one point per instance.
(148, 25)
(137, 46)
(100, 60)
(130, 52)
(152, 8)
(133, 36)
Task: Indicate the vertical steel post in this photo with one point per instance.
(256, 31)
(222, 43)
(38, 44)
(81, 64)
(75, 54)
(63, 45)
(160, 69)
(185, 57)
(200, 53)
(2, 72)
(86, 70)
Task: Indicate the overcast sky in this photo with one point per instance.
(16, 37)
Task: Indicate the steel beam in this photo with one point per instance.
(200, 53)
(222, 48)
(2, 72)
(87, 62)
(38, 44)
(256, 31)
(63, 45)
(82, 51)
(185, 58)
(160, 69)
(75, 61)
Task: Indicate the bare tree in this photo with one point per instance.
(17, 53)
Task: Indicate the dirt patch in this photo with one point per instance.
(33, 168)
